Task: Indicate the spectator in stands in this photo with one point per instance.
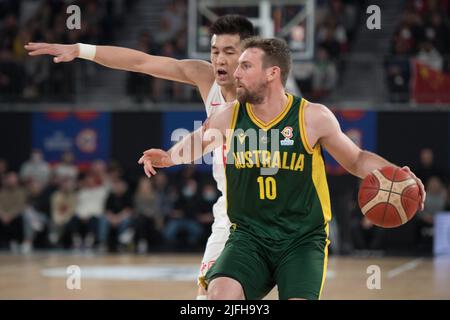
(164, 193)
(35, 218)
(3, 170)
(326, 39)
(172, 21)
(187, 173)
(205, 216)
(365, 235)
(90, 207)
(164, 90)
(324, 75)
(36, 168)
(63, 208)
(139, 85)
(438, 33)
(182, 222)
(8, 31)
(116, 225)
(434, 203)
(436, 199)
(398, 73)
(47, 192)
(12, 76)
(149, 219)
(99, 170)
(427, 168)
(66, 168)
(12, 204)
(429, 56)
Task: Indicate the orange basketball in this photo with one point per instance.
(389, 197)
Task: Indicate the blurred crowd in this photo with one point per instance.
(58, 206)
(169, 40)
(423, 33)
(336, 24)
(100, 207)
(39, 79)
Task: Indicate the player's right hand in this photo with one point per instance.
(155, 158)
(62, 52)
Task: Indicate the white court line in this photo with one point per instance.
(404, 267)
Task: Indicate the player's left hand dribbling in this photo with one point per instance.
(423, 194)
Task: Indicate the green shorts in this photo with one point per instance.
(297, 266)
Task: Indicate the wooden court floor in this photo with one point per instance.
(168, 276)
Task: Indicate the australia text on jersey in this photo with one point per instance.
(250, 150)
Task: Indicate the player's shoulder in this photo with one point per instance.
(317, 111)
(204, 68)
(202, 64)
(320, 120)
(200, 72)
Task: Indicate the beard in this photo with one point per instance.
(255, 96)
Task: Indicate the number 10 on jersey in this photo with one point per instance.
(267, 188)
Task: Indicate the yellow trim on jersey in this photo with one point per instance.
(325, 265)
(231, 127)
(201, 281)
(302, 125)
(227, 148)
(274, 121)
(321, 185)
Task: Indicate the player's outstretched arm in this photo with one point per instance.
(323, 127)
(195, 72)
(208, 137)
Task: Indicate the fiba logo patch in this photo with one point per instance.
(86, 140)
(287, 133)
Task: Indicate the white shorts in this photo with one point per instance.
(216, 241)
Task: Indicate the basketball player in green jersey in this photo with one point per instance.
(277, 193)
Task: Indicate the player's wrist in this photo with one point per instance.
(86, 51)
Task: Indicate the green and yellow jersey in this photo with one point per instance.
(276, 182)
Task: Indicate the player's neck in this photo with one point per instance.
(273, 104)
(228, 93)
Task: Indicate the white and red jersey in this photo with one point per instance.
(221, 225)
(214, 102)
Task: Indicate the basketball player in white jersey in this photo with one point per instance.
(214, 80)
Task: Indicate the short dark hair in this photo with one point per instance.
(276, 53)
(233, 24)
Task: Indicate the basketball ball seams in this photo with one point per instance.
(408, 197)
(400, 186)
(383, 182)
(380, 197)
(397, 203)
(395, 218)
(375, 188)
(389, 196)
(386, 173)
